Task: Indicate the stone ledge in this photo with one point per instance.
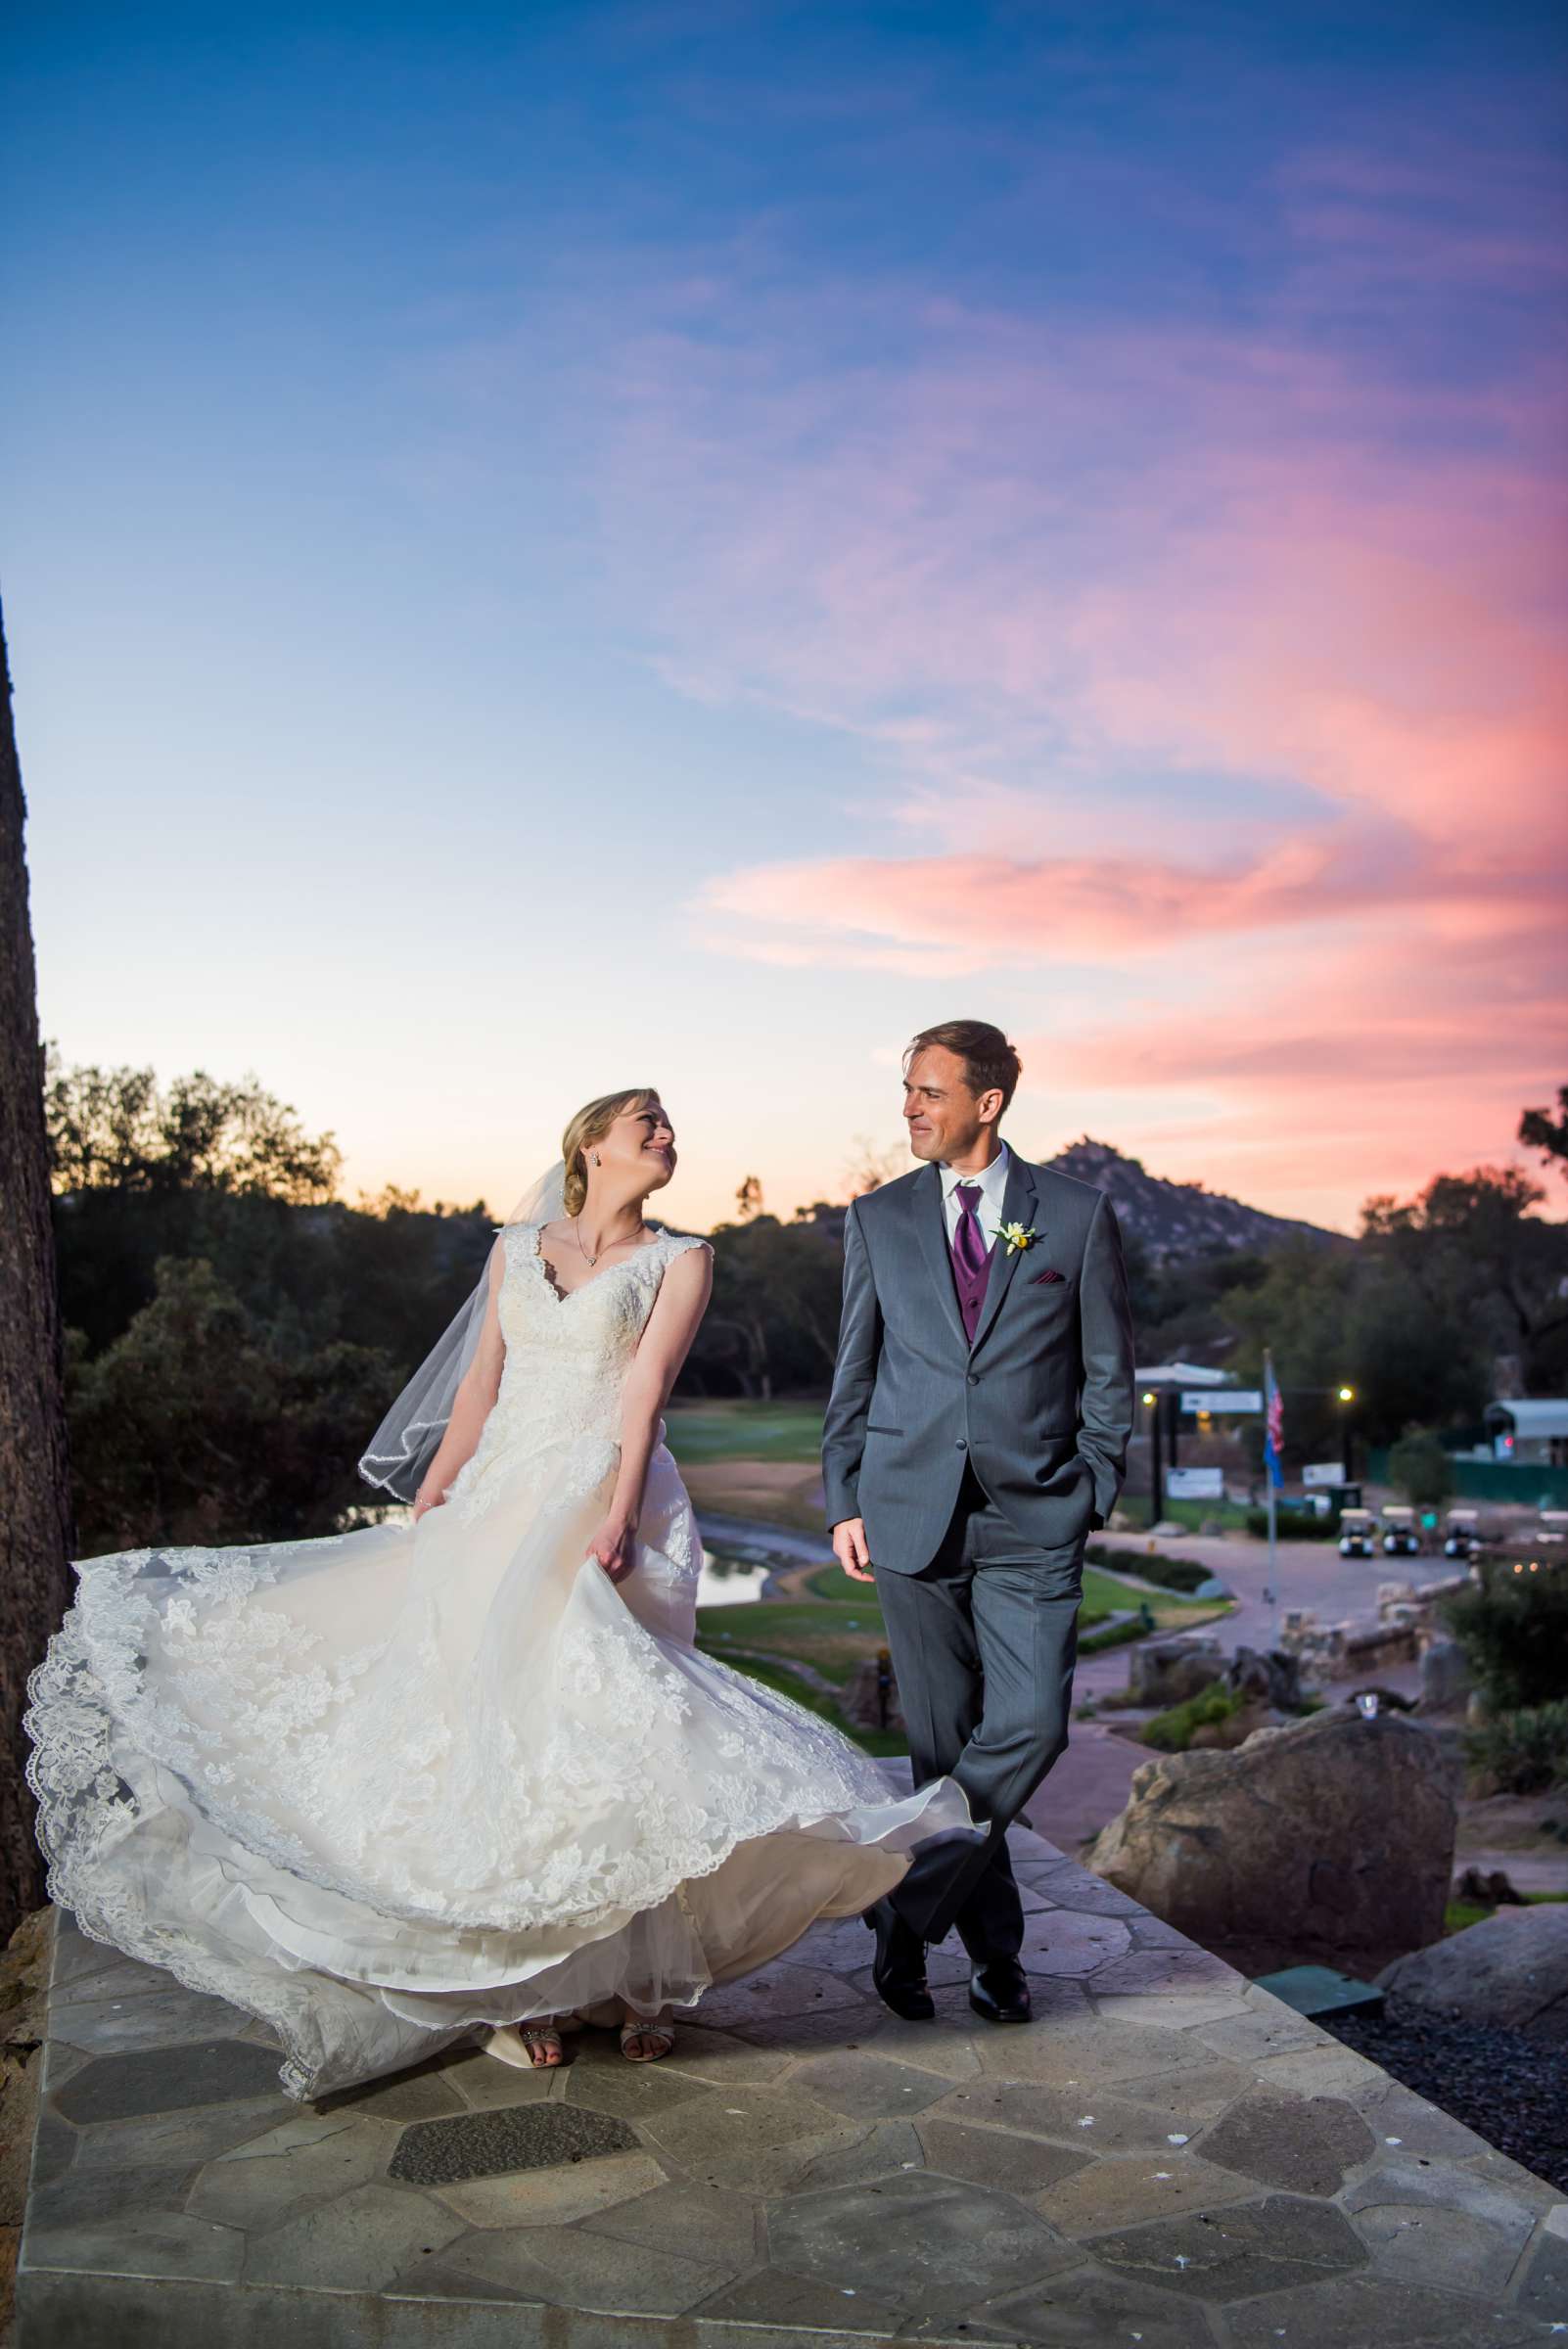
(1165, 2150)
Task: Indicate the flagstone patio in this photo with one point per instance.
(1166, 2156)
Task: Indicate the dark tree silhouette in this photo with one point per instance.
(35, 1529)
(1548, 1133)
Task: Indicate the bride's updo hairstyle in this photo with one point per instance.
(590, 1125)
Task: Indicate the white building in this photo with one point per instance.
(1532, 1432)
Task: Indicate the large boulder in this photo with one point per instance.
(1265, 1678)
(1235, 1728)
(1167, 1672)
(1444, 1675)
(1512, 1968)
(1329, 1841)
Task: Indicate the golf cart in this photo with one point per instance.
(1461, 1535)
(1356, 1534)
(1399, 1537)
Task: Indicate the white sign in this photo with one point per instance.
(1322, 1472)
(1195, 1483)
(1223, 1399)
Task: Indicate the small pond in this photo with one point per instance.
(729, 1578)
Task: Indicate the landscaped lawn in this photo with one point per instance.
(829, 1634)
(840, 1623)
(750, 1451)
(1460, 1913)
(815, 1700)
(744, 1430)
(1103, 1595)
(1190, 1513)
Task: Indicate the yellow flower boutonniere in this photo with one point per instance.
(1019, 1236)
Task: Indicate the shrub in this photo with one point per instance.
(1513, 1628)
(1418, 1464)
(1115, 1635)
(203, 1424)
(1296, 1524)
(1523, 1752)
(1171, 1574)
(1171, 1732)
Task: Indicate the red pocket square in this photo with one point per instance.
(1050, 1274)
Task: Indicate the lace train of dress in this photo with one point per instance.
(388, 1788)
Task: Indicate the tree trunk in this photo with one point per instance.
(35, 1529)
(759, 1364)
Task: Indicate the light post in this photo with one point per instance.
(1345, 1396)
(1274, 1464)
(1151, 1405)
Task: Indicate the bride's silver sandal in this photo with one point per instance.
(528, 2046)
(635, 2027)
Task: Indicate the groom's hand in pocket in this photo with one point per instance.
(850, 1549)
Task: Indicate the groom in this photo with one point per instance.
(977, 1431)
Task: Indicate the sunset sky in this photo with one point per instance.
(563, 546)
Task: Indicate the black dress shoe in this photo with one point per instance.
(898, 1968)
(998, 1990)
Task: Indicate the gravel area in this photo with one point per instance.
(1509, 2089)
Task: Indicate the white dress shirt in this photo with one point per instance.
(992, 1183)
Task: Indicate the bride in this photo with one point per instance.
(468, 1774)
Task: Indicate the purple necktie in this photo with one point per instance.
(971, 1258)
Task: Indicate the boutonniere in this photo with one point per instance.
(1019, 1236)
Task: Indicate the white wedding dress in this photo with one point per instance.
(388, 1788)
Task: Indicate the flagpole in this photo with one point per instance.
(1270, 1466)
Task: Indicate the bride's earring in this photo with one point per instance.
(596, 1157)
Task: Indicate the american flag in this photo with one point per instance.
(1274, 1427)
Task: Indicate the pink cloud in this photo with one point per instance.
(1028, 558)
(1400, 1057)
(989, 910)
(1216, 660)
(1419, 1032)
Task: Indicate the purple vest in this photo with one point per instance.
(971, 1276)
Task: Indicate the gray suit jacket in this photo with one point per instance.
(1043, 1400)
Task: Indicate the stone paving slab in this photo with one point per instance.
(1165, 2155)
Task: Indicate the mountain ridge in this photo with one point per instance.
(1173, 1221)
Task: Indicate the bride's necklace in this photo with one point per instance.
(577, 1226)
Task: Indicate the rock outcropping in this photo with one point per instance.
(1329, 1841)
(1167, 1672)
(1171, 1221)
(1176, 1221)
(1510, 1969)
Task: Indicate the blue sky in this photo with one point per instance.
(549, 546)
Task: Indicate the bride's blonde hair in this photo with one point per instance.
(590, 1125)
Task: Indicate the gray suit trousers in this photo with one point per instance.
(984, 1641)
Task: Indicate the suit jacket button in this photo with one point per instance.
(962, 1444)
(974, 1378)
